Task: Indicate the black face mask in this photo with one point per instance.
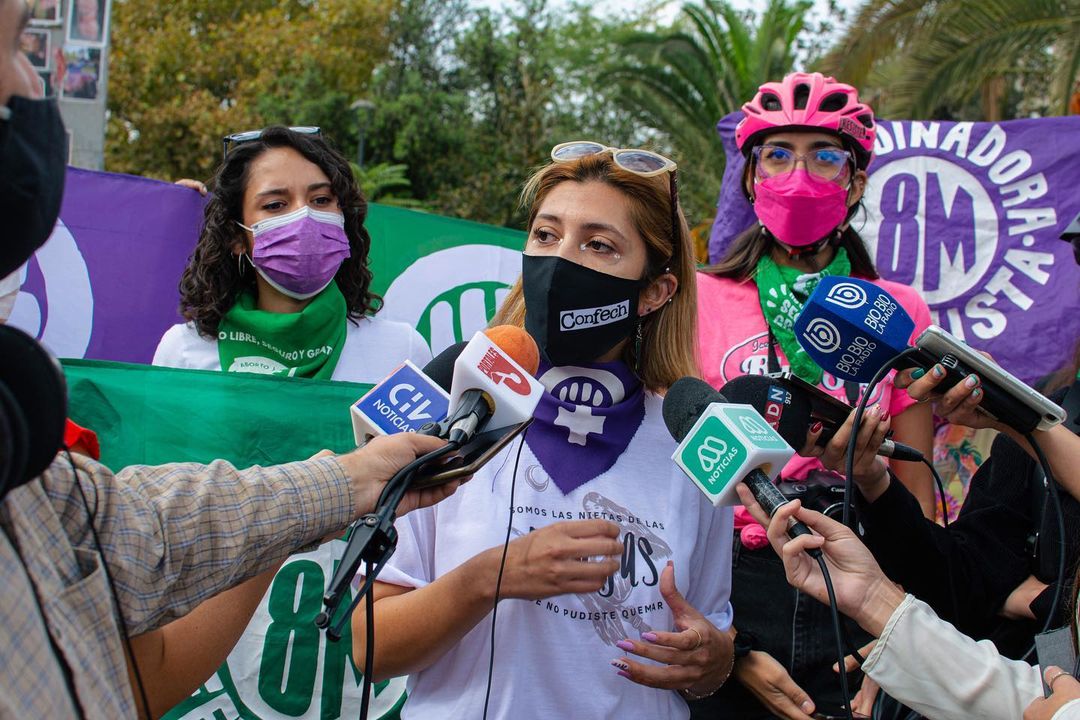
(33, 159)
(576, 314)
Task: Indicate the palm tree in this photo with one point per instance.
(945, 52)
(683, 80)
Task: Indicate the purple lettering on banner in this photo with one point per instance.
(105, 284)
(969, 214)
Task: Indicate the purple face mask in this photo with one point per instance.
(299, 253)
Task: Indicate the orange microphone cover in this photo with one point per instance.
(518, 344)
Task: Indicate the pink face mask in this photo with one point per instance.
(299, 253)
(798, 208)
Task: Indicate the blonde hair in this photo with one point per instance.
(669, 334)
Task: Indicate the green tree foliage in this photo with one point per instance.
(977, 59)
(682, 80)
(473, 100)
(184, 73)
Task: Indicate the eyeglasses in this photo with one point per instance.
(827, 163)
(640, 162)
(249, 135)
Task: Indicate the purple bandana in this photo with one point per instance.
(585, 420)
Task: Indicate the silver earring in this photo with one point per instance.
(240, 264)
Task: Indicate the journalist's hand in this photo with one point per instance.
(695, 657)
(870, 472)
(576, 556)
(197, 185)
(959, 405)
(863, 593)
(1063, 688)
(770, 683)
(368, 469)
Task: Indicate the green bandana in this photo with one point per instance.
(304, 344)
(783, 290)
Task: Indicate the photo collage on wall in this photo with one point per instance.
(73, 71)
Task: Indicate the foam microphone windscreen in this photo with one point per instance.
(852, 327)
(684, 403)
(441, 368)
(518, 344)
(785, 411)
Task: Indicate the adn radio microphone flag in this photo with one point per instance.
(789, 408)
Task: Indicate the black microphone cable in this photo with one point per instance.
(941, 491)
(1055, 497)
(498, 581)
(838, 631)
(860, 408)
(388, 500)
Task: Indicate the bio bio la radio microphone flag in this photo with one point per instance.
(851, 327)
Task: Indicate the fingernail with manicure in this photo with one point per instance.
(649, 637)
(971, 380)
(918, 374)
(807, 707)
(816, 427)
(939, 371)
(976, 393)
(623, 673)
(625, 645)
(620, 664)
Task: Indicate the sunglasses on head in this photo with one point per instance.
(246, 136)
(635, 160)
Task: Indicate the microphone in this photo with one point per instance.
(489, 390)
(852, 328)
(493, 385)
(722, 444)
(405, 401)
(789, 406)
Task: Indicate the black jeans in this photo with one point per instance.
(794, 628)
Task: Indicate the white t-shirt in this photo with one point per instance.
(552, 656)
(373, 348)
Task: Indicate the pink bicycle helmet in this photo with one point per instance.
(809, 101)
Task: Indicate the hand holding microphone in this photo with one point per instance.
(863, 592)
(852, 328)
(803, 415)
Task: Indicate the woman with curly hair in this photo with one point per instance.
(278, 284)
(279, 281)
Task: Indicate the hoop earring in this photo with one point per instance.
(240, 264)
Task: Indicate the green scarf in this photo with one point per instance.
(304, 344)
(783, 291)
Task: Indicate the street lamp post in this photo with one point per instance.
(363, 109)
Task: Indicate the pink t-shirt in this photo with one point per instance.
(733, 340)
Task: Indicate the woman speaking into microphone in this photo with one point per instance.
(613, 591)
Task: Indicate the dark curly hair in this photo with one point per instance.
(212, 280)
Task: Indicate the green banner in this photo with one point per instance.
(153, 415)
(443, 276)
(283, 666)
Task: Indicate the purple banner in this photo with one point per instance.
(969, 214)
(105, 284)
